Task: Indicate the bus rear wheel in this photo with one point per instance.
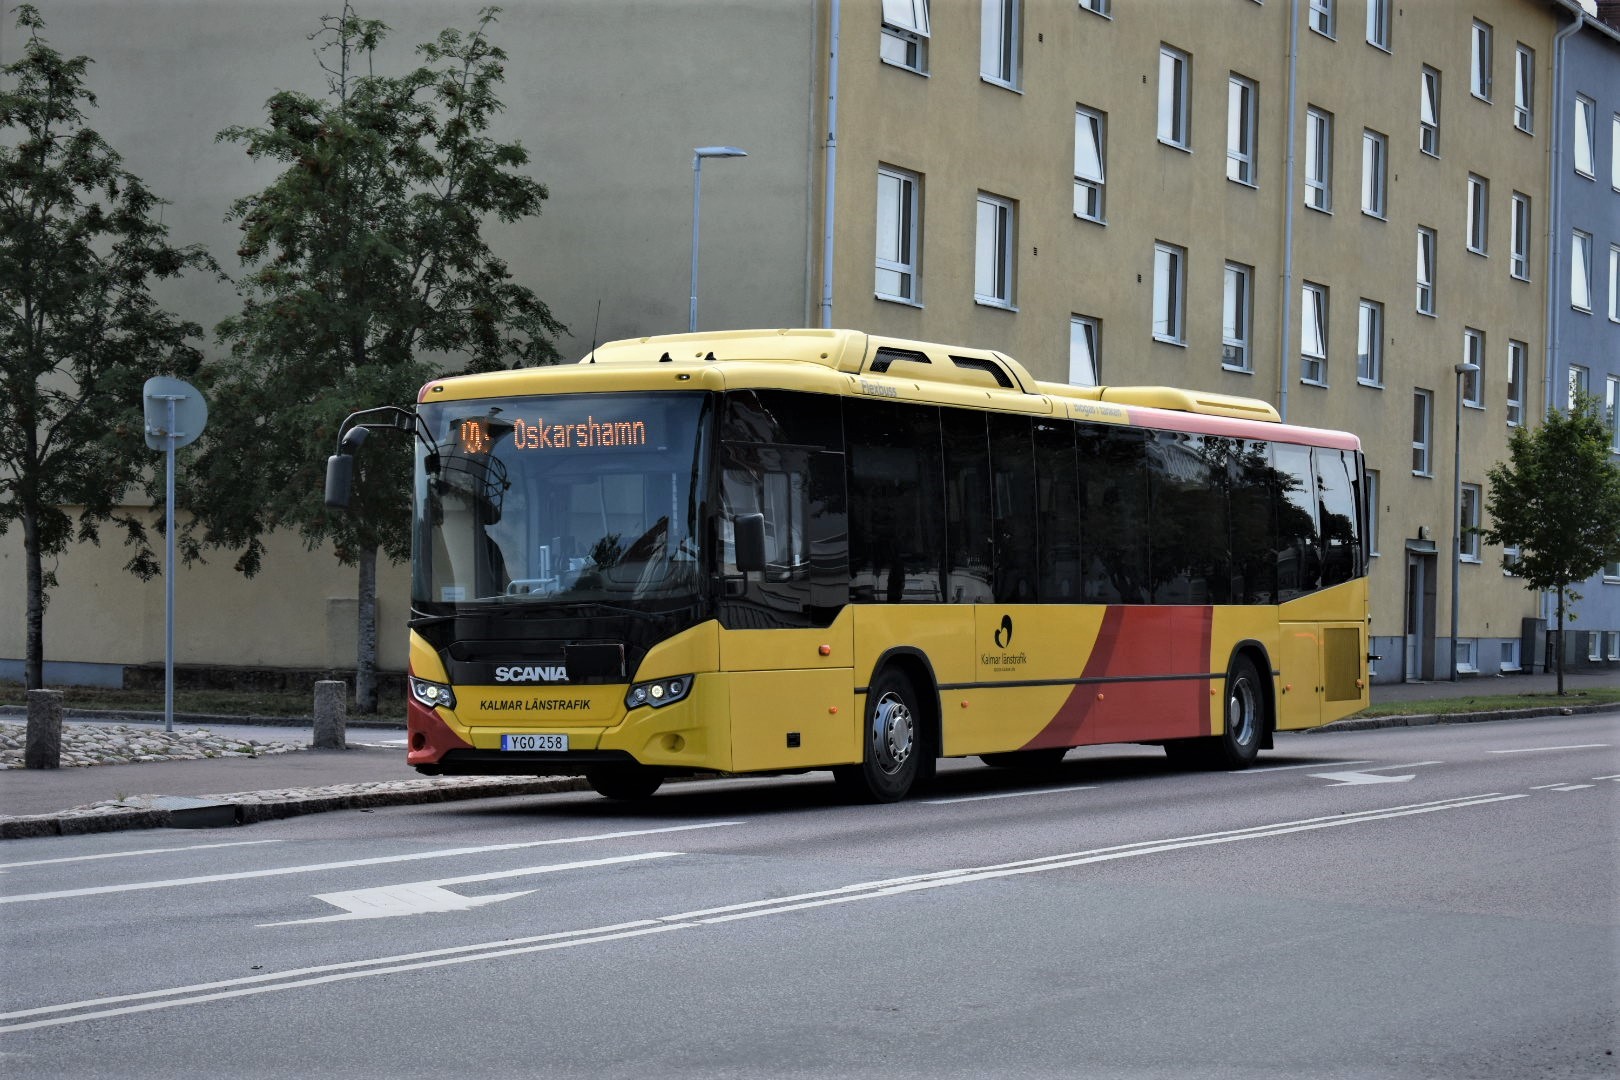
(894, 744)
(1244, 729)
(627, 783)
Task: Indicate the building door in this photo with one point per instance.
(1420, 603)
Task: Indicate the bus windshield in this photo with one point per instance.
(569, 498)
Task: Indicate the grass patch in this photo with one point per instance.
(1493, 702)
(215, 702)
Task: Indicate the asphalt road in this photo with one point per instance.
(1429, 902)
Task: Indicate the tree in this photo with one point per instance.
(366, 268)
(79, 329)
(1557, 499)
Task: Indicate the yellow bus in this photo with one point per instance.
(785, 550)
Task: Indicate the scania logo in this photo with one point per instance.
(536, 673)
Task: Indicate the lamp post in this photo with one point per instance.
(698, 155)
(1463, 370)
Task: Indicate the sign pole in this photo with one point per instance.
(175, 414)
(168, 584)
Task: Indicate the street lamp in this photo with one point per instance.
(1463, 370)
(698, 155)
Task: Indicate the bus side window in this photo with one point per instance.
(1057, 512)
(896, 502)
(1299, 559)
(1336, 502)
(1114, 509)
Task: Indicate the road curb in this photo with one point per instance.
(248, 808)
(138, 716)
(1428, 719)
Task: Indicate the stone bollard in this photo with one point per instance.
(42, 747)
(331, 714)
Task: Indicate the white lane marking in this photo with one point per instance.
(428, 897)
(127, 854)
(1008, 795)
(71, 1012)
(1616, 777)
(1541, 749)
(1569, 787)
(381, 860)
(1286, 768)
(1370, 776)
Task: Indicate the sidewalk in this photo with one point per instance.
(240, 790)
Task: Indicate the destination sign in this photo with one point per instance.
(473, 435)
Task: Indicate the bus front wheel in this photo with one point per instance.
(1239, 741)
(893, 743)
(627, 783)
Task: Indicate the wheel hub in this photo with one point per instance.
(892, 733)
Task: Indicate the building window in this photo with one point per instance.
(1373, 511)
(1090, 132)
(1611, 572)
(1378, 24)
(1510, 655)
(1479, 64)
(1085, 350)
(1585, 114)
(1313, 333)
(1518, 352)
(993, 258)
(897, 235)
(1242, 102)
(1614, 275)
(1613, 637)
(1467, 537)
(1318, 159)
(1374, 173)
(1321, 17)
(1614, 152)
(998, 41)
(1370, 344)
(1524, 88)
(1422, 430)
(1473, 382)
(1467, 656)
(1169, 293)
(1479, 213)
(1580, 382)
(1425, 270)
(1580, 272)
(1611, 411)
(1594, 645)
(1519, 263)
(1237, 317)
(1175, 106)
(905, 34)
(1099, 7)
(1429, 114)
(1510, 560)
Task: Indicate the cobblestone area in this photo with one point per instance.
(121, 744)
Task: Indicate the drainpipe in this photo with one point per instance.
(829, 191)
(1284, 373)
(1554, 174)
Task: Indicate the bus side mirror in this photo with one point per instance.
(748, 534)
(340, 469)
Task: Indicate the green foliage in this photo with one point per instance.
(79, 330)
(366, 274)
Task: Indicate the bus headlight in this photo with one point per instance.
(432, 694)
(659, 692)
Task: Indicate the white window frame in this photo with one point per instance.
(1175, 98)
(1370, 343)
(1613, 638)
(1611, 573)
(1422, 432)
(1580, 271)
(1469, 503)
(1479, 60)
(1524, 88)
(1313, 334)
(903, 242)
(1373, 512)
(1467, 652)
(994, 248)
(1510, 560)
(1510, 655)
(1518, 365)
(1237, 317)
(1374, 174)
(1614, 274)
(1429, 112)
(905, 33)
(999, 32)
(1580, 382)
(1242, 115)
(1322, 17)
(1479, 214)
(1169, 293)
(1584, 154)
(1614, 152)
(1611, 410)
(1519, 236)
(1105, 8)
(1594, 645)
(1085, 350)
(1378, 24)
(1473, 383)
(1319, 159)
(1427, 251)
(1090, 164)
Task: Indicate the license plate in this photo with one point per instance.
(534, 742)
